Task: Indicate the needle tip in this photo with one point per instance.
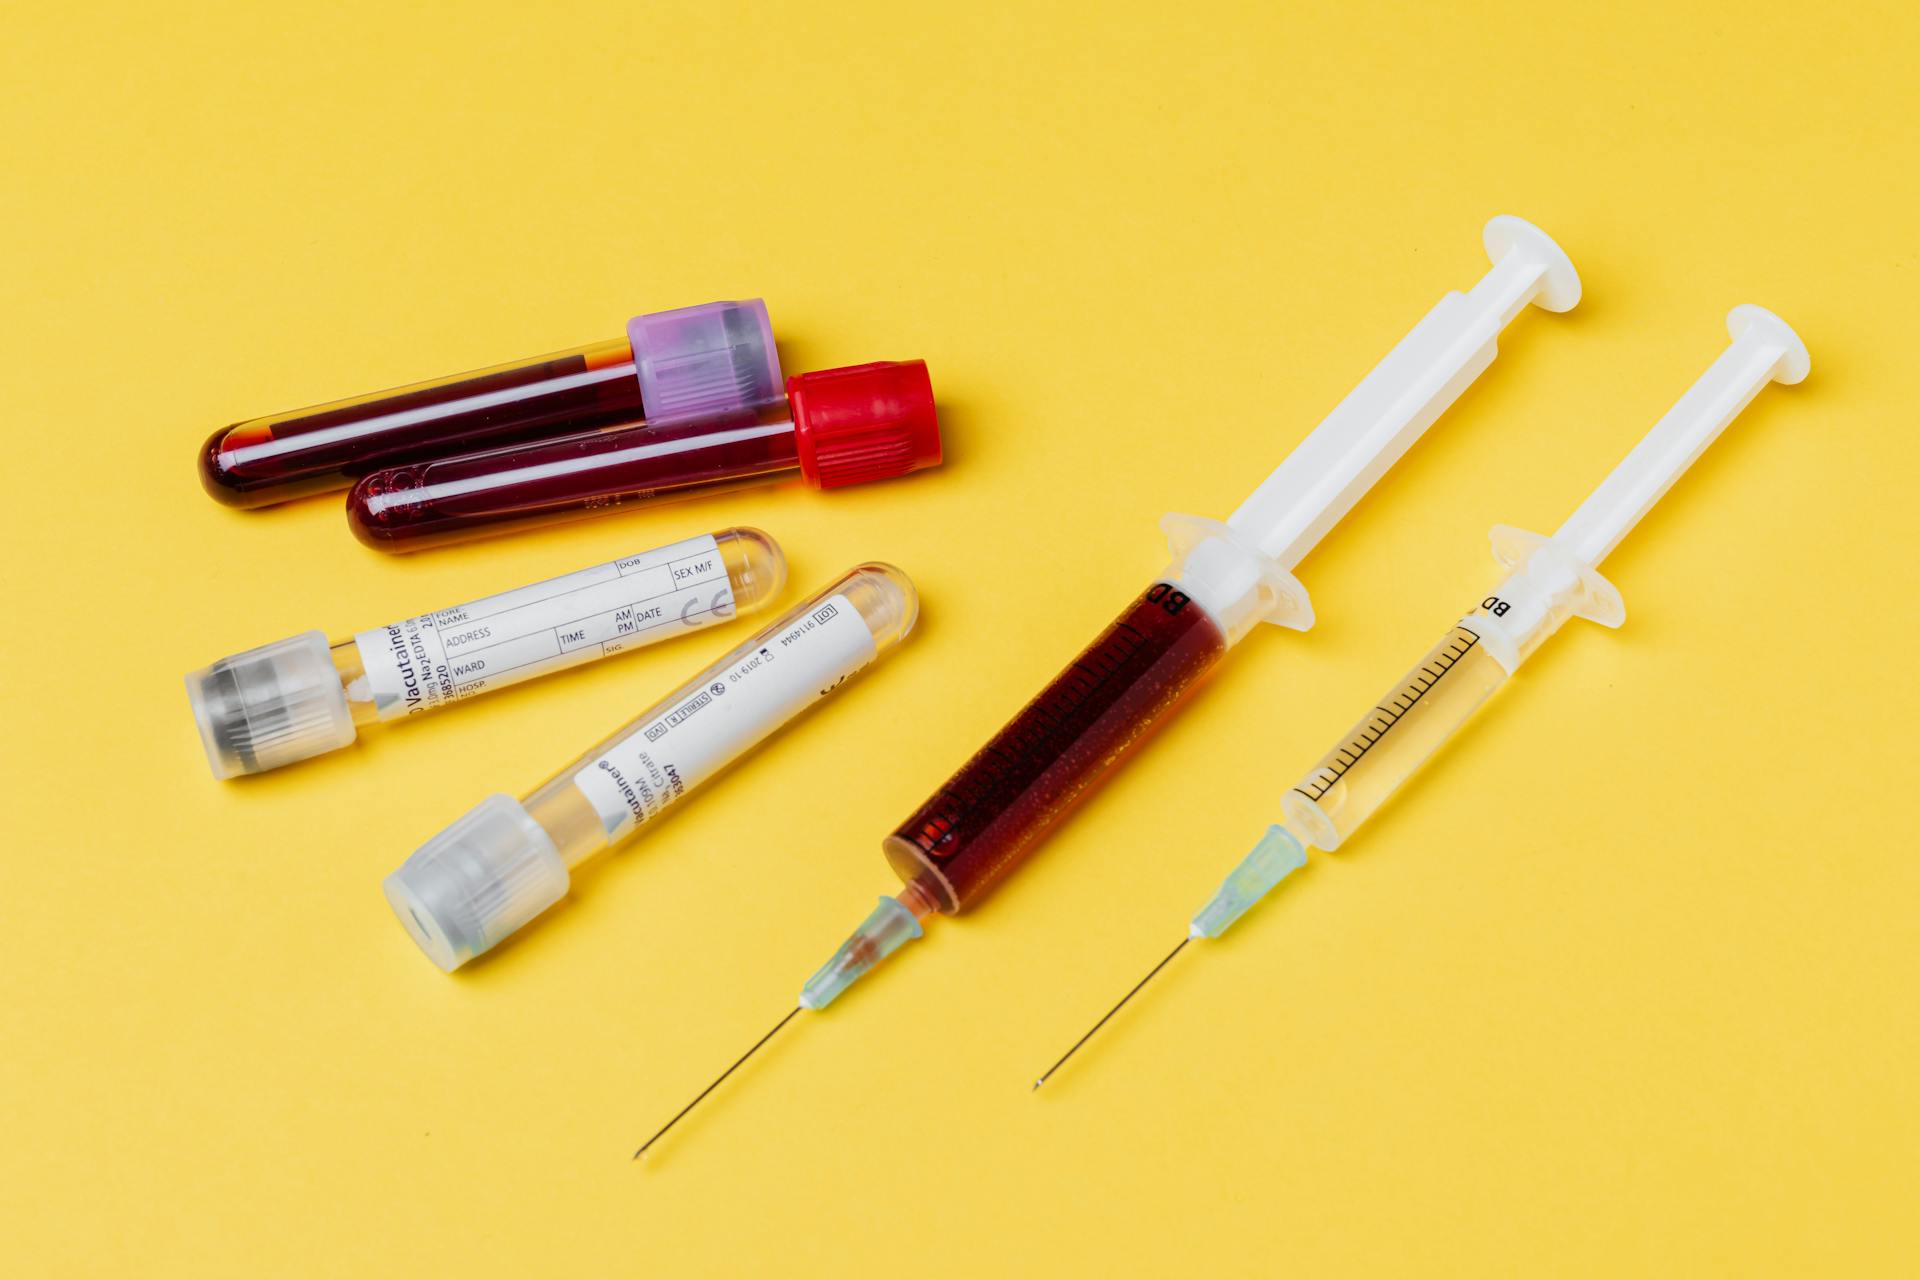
(716, 1083)
(1116, 1008)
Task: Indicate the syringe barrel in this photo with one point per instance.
(988, 817)
(690, 362)
(1545, 588)
(1395, 737)
(298, 698)
(507, 860)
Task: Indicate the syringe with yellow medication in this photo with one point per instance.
(1549, 580)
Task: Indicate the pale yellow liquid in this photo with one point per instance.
(1394, 739)
(885, 600)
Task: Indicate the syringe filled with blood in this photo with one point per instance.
(1225, 577)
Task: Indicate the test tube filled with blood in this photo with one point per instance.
(834, 428)
(713, 359)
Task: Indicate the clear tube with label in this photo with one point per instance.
(508, 860)
(305, 696)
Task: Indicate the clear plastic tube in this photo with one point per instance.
(508, 860)
(834, 427)
(695, 361)
(282, 456)
(447, 500)
(302, 697)
(880, 596)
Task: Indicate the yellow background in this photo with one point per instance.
(1624, 983)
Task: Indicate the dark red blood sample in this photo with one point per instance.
(994, 812)
(408, 508)
(268, 460)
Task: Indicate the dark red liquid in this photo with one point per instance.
(408, 508)
(992, 814)
(268, 460)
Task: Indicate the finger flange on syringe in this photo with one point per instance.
(1225, 577)
(1549, 580)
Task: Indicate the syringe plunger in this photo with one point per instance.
(1557, 578)
(1369, 431)
(1764, 349)
(1242, 570)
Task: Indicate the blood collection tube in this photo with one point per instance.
(1225, 578)
(834, 427)
(692, 362)
(508, 860)
(305, 696)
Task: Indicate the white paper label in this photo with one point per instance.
(437, 658)
(671, 754)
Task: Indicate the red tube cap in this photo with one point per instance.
(864, 422)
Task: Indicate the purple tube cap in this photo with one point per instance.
(698, 362)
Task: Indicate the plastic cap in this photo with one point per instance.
(864, 422)
(890, 926)
(270, 706)
(472, 885)
(704, 361)
(1277, 856)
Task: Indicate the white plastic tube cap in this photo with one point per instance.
(472, 885)
(270, 706)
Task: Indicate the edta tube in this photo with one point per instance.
(713, 359)
(305, 696)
